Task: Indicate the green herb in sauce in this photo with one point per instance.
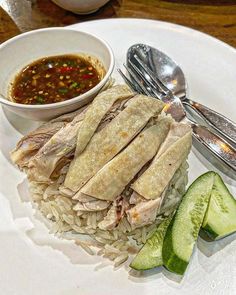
(54, 79)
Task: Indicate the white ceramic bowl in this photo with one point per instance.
(23, 49)
(81, 6)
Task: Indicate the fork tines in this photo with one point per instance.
(141, 77)
(137, 80)
(127, 80)
(155, 81)
(143, 80)
(136, 83)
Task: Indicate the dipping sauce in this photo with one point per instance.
(54, 79)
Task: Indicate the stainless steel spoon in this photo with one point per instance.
(172, 76)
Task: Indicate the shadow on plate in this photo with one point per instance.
(209, 248)
(147, 275)
(154, 274)
(213, 249)
(20, 124)
(8, 131)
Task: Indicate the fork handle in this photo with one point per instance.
(215, 144)
(220, 123)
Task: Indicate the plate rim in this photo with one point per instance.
(165, 24)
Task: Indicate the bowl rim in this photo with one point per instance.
(74, 99)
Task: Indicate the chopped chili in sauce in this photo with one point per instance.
(54, 79)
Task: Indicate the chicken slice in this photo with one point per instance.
(91, 206)
(177, 130)
(170, 156)
(30, 144)
(69, 117)
(110, 220)
(143, 213)
(83, 198)
(100, 106)
(97, 205)
(136, 198)
(42, 165)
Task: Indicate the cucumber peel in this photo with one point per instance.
(150, 255)
(183, 229)
(220, 218)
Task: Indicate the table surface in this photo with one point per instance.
(215, 17)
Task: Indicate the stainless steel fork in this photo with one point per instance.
(145, 82)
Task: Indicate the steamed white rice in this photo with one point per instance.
(116, 244)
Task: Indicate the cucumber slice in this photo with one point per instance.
(150, 255)
(185, 225)
(220, 218)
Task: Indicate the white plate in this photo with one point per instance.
(34, 262)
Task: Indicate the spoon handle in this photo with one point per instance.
(219, 122)
(215, 144)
